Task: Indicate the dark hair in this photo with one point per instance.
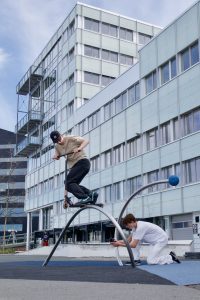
(128, 219)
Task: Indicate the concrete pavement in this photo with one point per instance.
(22, 277)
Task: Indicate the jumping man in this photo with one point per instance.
(78, 164)
(148, 233)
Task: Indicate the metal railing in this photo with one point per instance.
(14, 240)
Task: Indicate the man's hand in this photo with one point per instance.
(56, 157)
(77, 150)
(116, 243)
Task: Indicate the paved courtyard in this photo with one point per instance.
(23, 277)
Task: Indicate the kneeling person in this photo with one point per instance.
(148, 233)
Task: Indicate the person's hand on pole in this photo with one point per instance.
(77, 150)
(56, 157)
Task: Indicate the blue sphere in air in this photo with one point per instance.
(173, 180)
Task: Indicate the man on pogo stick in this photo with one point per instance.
(78, 165)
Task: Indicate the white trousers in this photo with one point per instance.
(154, 257)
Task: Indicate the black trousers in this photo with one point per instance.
(74, 178)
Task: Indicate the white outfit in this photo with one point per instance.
(156, 237)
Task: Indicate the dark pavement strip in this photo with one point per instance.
(81, 271)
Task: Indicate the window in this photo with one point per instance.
(194, 54)
(71, 28)
(133, 147)
(120, 102)
(71, 80)
(117, 191)
(175, 129)
(107, 159)
(133, 94)
(144, 38)
(126, 34)
(126, 59)
(189, 56)
(108, 110)
(109, 55)
(71, 55)
(71, 108)
(177, 171)
(68, 83)
(151, 82)
(118, 154)
(108, 193)
(82, 127)
(91, 51)
(153, 176)
(191, 122)
(173, 67)
(94, 120)
(109, 29)
(165, 73)
(105, 80)
(91, 77)
(185, 60)
(165, 173)
(95, 163)
(192, 170)
(165, 133)
(91, 24)
(133, 184)
(152, 139)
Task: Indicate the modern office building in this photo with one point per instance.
(142, 127)
(90, 49)
(12, 186)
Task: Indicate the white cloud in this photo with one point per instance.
(3, 57)
(32, 23)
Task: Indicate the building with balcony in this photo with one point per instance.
(143, 126)
(88, 51)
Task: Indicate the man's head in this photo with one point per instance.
(55, 136)
(129, 221)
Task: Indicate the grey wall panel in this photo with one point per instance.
(167, 44)
(187, 28)
(189, 89)
(168, 101)
(149, 112)
(151, 161)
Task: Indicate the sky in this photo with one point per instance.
(26, 26)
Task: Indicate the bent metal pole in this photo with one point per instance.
(117, 226)
(137, 192)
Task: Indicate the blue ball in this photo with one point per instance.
(173, 180)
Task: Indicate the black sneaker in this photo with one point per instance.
(174, 257)
(67, 202)
(87, 200)
(94, 197)
(137, 263)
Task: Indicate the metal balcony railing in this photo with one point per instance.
(28, 122)
(30, 80)
(27, 146)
